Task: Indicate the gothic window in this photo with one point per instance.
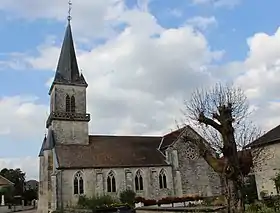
(138, 181)
(78, 184)
(162, 180)
(67, 104)
(73, 104)
(111, 182)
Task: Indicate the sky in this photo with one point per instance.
(141, 59)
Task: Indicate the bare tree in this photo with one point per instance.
(222, 114)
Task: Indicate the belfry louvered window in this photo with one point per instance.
(67, 103)
(73, 104)
(70, 103)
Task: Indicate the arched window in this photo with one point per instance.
(78, 184)
(138, 181)
(67, 103)
(162, 180)
(111, 182)
(73, 104)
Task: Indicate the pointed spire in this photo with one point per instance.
(67, 71)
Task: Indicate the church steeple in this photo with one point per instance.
(67, 71)
(68, 118)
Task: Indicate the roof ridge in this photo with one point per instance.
(140, 136)
(267, 137)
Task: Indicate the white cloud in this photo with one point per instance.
(261, 75)
(29, 165)
(22, 117)
(97, 17)
(202, 22)
(217, 3)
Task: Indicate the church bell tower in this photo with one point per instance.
(68, 119)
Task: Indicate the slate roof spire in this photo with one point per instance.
(67, 71)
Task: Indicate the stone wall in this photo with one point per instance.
(194, 173)
(95, 183)
(45, 171)
(58, 98)
(69, 132)
(266, 166)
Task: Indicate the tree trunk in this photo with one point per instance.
(234, 196)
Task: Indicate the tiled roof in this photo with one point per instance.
(48, 142)
(41, 153)
(112, 151)
(168, 139)
(271, 136)
(5, 182)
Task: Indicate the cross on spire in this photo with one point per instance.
(69, 10)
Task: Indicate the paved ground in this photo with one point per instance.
(29, 211)
(25, 209)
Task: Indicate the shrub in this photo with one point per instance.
(263, 193)
(254, 207)
(208, 201)
(260, 207)
(219, 201)
(128, 196)
(83, 201)
(271, 201)
(94, 203)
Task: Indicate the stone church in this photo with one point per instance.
(74, 163)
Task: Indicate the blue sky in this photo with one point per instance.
(24, 35)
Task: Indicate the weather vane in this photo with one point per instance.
(69, 10)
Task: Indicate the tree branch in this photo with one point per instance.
(209, 121)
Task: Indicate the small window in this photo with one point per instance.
(67, 104)
(162, 180)
(138, 181)
(78, 184)
(111, 183)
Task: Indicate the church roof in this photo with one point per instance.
(168, 139)
(5, 182)
(48, 143)
(67, 71)
(112, 151)
(272, 136)
(41, 153)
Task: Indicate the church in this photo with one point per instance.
(74, 163)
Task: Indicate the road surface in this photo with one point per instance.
(29, 211)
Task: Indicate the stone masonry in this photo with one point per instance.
(266, 166)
